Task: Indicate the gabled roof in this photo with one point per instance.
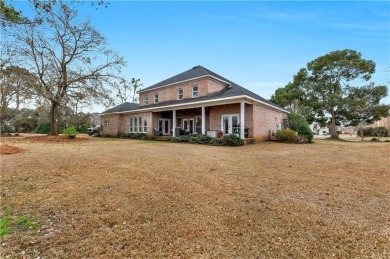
(195, 72)
(123, 107)
(233, 90)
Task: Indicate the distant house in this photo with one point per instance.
(318, 130)
(383, 122)
(197, 101)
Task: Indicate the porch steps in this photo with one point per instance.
(163, 138)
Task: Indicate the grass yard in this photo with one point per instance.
(113, 198)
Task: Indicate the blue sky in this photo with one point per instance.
(258, 44)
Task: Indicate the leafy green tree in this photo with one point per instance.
(69, 57)
(362, 106)
(325, 84)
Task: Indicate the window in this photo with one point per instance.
(146, 100)
(179, 94)
(179, 122)
(156, 98)
(138, 124)
(145, 119)
(194, 91)
(107, 123)
(131, 125)
(198, 121)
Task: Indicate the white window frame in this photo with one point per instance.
(180, 95)
(195, 93)
(155, 98)
(146, 100)
(130, 125)
(145, 123)
(107, 123)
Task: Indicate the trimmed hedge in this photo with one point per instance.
(287, 135)
(227, 140)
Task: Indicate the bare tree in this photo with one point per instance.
(69, 57)
(127, 89)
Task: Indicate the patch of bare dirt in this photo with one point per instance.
(8, 150)
(115, 198)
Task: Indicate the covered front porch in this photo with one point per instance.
(216, 120)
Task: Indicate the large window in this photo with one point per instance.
(131, 125)
(180, 94)
(156, 98)
(146, 100)
(138, 124)
(194, 91)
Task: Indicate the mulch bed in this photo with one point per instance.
(55, 139)
(8, 150)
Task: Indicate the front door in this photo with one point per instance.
(163, 126)
(188, 125)
(230, 124)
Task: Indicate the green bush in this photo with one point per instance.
(294, 120)
(216, 141)
(194, 140)
(44, 128)
(204, 139)
(231, 140)
(367, 131)
(374, 139)
(184, 138)
(305, 133)
(70, 132)
(287, 135)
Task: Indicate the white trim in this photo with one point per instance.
(182, 93)
(220, 101)
(203, 120)
(242, 120)
(174, 123)
(194, 78)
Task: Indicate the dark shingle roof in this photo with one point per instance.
(198, 71)
(194, 72)
(123, 107)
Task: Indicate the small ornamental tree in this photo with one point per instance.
(380, 132)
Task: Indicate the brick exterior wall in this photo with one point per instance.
(116, 124)
(259, 119)
(169, 93)
(264, 121)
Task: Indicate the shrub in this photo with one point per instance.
(204, 139)
(380, 132)
(193, 140)
(367, 131)
(374, 139)
(387, 140)
(216, 141)
(287, 135)
(184, 138)
(70, 132)
(305, 133)
(44, 128)
(294, 120)
(231, 140)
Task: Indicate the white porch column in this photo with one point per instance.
(242, 120)
(174, 124)
(203, 120)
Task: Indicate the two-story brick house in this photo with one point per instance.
(197, 101)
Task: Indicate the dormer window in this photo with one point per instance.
(179, 94)
(156, 98)
(146, 100)
(194, 91)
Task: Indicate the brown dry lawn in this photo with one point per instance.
(112, 198)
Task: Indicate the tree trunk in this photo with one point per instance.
(53, 118)
(333, 125)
